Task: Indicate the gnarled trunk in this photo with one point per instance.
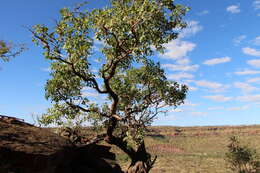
(138, 167)
(141, 162)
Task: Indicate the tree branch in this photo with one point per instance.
(58, 58)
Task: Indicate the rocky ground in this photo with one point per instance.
(25, 148)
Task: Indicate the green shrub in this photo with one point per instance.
(242, 158)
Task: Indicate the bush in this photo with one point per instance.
(242, 158)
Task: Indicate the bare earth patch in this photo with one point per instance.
(164, 148)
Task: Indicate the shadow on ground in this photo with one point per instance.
(25, 148)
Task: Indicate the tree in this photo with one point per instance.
(4, 50)
(136, 87)
(241, 158)
(7, 50)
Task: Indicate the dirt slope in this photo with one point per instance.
(25, 148)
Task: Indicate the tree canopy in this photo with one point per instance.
(134, 84)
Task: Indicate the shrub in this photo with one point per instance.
(242, 158)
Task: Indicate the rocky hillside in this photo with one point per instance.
(25, 148)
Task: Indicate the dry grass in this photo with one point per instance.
(194, 149)
(191, 149)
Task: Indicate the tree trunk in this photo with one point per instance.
(140, 159)
(142, 162)
(138, 167)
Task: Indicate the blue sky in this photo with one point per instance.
(217, 56)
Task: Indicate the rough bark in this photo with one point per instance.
(141, 162)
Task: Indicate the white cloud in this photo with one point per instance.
(176, 110)
(239, 108)
(192, 88)
(174, 67)
(190, 104)
(256, 41)
(233, 9)
(99, 42)
(256, 4)
(183, 61)
(179, 76)
(239, 39)
(192, 28)
(48, 69)
(254, 62)
(97, 60)
(177, 49)
(218, 98)
(245, 87)
(249, 98)
(247, 72)
(251, 51)
(188, 81)
(94, 70)
(213, 86)
(208, 84)
(199, 113)
(202, 13)
(215, 61)
(90, 92)
(215, 108)
(253, 80)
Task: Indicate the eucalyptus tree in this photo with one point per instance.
(8, 50)
(135, 86)
(4, 50)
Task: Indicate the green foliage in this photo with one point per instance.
(241, 158)
(57, 114)
(129, 30)
(8, 50)
(4, 49)
(134, 85)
